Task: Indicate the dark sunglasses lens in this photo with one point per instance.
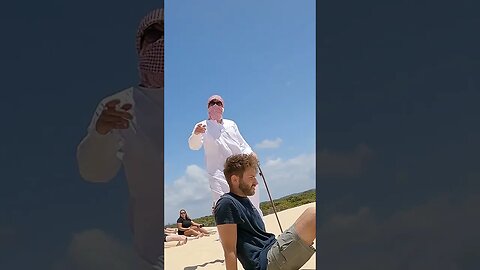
(152, 34)
(219, 103)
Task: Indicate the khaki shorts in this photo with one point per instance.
(289, 251)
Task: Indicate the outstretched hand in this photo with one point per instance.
(200, 128)
(112, 118)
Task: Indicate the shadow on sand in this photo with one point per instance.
(202, 265)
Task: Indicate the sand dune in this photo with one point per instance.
(207, 253)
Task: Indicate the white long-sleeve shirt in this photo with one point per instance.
(140, 150)
(220, 141)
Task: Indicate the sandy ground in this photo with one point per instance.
(207, 252)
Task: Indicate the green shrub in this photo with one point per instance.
(281, 204)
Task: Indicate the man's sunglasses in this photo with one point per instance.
(215, 102)
(153, 33)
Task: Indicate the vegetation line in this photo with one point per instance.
(281, 204)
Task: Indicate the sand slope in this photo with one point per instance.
(207, 252)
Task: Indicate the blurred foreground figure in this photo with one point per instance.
(127, 129)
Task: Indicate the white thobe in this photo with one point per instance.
(220, 141)
(140, 149)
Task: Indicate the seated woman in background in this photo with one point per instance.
(187, 227)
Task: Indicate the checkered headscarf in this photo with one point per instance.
(154, 16)
(151, 57)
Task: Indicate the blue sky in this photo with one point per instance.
(260, 57)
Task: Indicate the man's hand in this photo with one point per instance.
(111, 118)
(200, 128)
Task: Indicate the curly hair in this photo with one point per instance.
(237, 164)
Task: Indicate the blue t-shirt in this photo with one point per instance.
(253, 242)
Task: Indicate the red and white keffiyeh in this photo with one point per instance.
(215, 112)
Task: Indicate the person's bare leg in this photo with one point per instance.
(191, 232)
(305, 225)
(198, 234)
(182, 240)
(175, 238)
(170, 230)
(204, 231)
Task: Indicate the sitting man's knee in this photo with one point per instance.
(311, 214)
(311, 211)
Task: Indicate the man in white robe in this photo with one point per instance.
(220, 138)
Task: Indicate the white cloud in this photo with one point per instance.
(191, 192)
(343, 164)
(440, 234)
(285, 177)
(269, 144)
(94, 249)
